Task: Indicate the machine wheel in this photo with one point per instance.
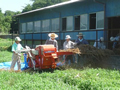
(52, 70)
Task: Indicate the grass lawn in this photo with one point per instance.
(71, 79)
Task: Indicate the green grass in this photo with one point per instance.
(5, 42)
(88, 79)
(5, 56)
(70, 79)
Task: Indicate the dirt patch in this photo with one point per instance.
(10, 70)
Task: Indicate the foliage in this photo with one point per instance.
(5, 44)
(6, 21)
(71, 79)
(41, 3)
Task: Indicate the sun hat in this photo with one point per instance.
(17, 39)
(67, 37)
(102, 39)
(112, 39)
(80, 34)
(52, 35)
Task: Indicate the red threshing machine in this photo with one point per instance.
(45, 57)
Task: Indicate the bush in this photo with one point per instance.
(5, 48)
(5, 44)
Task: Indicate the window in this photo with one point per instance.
(37, 26)
(45, 25)
(97, 20)
(67, 23)
(83, 22)
(77, 22)
(100, 20)
(70, 23)
(93, 21)
(55, 24)
(30, 27)
(23, 28)
(64, 24)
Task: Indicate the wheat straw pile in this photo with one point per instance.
(117, 51)
(91, 51)
(75, 51)
(95, 52)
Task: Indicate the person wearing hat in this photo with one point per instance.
(68, 44)
(16, 57)
(100, 43)
(52, 40)
(116, 41)
(80, 40)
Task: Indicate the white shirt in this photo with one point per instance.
(68, 44)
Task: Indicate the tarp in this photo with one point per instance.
(6, 66)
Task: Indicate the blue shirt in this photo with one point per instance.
(82, 41)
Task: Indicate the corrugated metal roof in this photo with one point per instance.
(52, 6)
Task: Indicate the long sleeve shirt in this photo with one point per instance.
(99, 44)
(68, 44)
(82, 41)
(53, 42)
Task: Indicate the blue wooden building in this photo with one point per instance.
(94, 18)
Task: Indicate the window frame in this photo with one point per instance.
(48, 26)
(58, 25)
(25, 27)
(86, 21)
(32, 27)
(67, 24)
(36, 31)
(74, 23)
(97, 19)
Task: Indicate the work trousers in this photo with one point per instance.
(16, 58)
(69, 57)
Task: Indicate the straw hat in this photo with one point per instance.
(112, 39)
(67, 37)
(80, 34)
(52, 35)
(102, 39)
(17, 39)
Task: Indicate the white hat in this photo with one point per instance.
(112, 39)
(102, 39)
(17, 39)
(80, 34)
(52, 35)
(67, 37)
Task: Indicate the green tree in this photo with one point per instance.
(41, 3)
(7, 20)
(27, 8)
(9, 13)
